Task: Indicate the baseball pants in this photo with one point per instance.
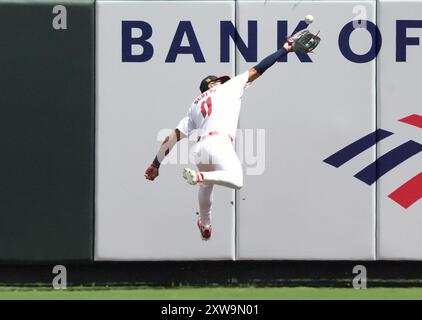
(218, 163)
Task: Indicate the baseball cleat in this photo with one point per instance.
(191, 176)
(204, 229)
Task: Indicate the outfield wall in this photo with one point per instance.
(330, 142)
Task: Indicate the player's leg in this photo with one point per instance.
(205, 198)
(227, 168)
(223, 176)
(226, 176)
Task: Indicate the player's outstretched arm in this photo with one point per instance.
(260, 68)
(152, 171)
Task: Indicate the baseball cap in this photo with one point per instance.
(206, 81)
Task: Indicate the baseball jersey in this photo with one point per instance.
(217, 109)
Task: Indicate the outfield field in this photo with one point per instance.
(219, 293)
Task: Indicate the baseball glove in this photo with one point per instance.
(304, 41)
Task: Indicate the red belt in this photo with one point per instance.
(214, 133)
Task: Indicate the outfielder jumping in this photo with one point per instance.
(214, 115)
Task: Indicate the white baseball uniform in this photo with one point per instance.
(215, 114)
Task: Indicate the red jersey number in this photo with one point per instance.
(206, 108)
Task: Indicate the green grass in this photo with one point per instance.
(210, 293)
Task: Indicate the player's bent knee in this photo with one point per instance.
(239, 183)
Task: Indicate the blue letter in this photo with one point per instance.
(128, 41)
(185, 27)
(344, 41)
(402, 41)
(249, 52)
(282, 36)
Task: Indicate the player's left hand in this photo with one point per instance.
(151, 173)
(304, 41)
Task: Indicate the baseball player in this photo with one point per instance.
(214, 115)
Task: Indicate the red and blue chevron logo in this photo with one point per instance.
(408, 193)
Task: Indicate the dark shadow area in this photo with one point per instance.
(218, 273)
